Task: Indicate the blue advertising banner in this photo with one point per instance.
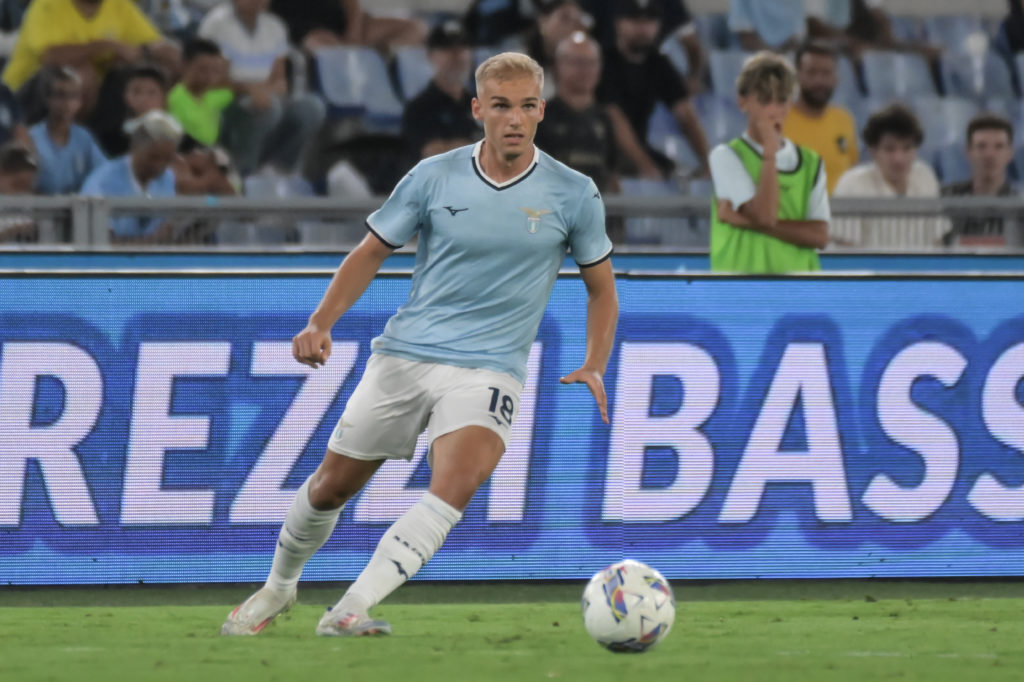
(154, 428)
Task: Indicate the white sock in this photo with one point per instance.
(304, 531)
(403, 550)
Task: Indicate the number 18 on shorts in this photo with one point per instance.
(397, 399)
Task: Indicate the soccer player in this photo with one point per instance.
(494, 220)
(770, 207)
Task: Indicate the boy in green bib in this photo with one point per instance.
(770, 210)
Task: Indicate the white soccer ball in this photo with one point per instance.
(628, 607)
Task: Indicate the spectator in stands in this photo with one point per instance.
(778, 25)
(440, 118)
(990, 151)
(201, 97)
(770, 207)
(893, 136)
(576, 129)
(145, 171)
(67, 152)
(145, 89)
(812, 121)
(634, 78)
(204, 171)
(11, 13)
(265, 124)
(12, 125)
(556, 20)
(314, 24)
(18, 170)
(88, 36)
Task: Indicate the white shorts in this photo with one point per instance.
(397, 398)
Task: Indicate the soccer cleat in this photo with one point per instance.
(351, 625)
(256, 612)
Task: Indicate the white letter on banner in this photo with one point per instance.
(634, 429)
(802, 375)
(261, 498)
(154, 431)
(386, 497)
(1004, 417)
(52, 445)
(917, 430)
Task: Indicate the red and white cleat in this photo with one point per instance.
(256, 612)
(351, 625)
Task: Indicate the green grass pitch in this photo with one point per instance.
(739, 631)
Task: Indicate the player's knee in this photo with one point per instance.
(327, 491)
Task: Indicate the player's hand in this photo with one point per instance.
(592, 378)
(770, 132)
(312, 346)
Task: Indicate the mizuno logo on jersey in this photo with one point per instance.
(533, 217)
(453, 211)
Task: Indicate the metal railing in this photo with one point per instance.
(667, 222)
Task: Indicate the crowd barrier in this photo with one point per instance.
(668, 221)
(153, 428)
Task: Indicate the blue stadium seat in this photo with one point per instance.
(848, 87)
(714, 32)
(414, 71)
(953, 30)
(907, 28)
(674, 51)
(664, 135)
(720, 116)
(944, 119)
(985, 75)
(725, 67)
(355, 81)
(950, 162)
(659, 231)
(896, 75)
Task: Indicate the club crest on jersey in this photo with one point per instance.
(533, 217)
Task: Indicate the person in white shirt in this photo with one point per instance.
(265, 125)
(893, 136)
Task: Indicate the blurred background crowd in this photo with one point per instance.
(290, 98)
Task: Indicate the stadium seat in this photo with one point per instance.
(673, 50)
(725, 67)
(659, 231)
(414, 71)
(907, 28)
(944, 119)
(953, 31)
(354, 81)
(976, 76)
(720, 116)
(664, 135)
(951, 163)
(848, 90)
(713, 29)
(896, 75)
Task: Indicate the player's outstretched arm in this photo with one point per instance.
(312, 346)
(602, 317)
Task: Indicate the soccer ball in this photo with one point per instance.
(628, 607)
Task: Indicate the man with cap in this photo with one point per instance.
(143, 172)
(439, 119)
(635, 78)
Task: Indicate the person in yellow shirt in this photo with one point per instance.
(812, 122)
(89, 36)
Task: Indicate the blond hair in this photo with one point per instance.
(506, 66)
(768, 77)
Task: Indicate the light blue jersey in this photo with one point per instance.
(116, 179)
(487, 257)
(62, 170)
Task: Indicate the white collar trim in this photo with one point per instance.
(500, 185)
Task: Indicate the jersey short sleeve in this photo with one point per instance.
(588, 237)
(397, 220)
